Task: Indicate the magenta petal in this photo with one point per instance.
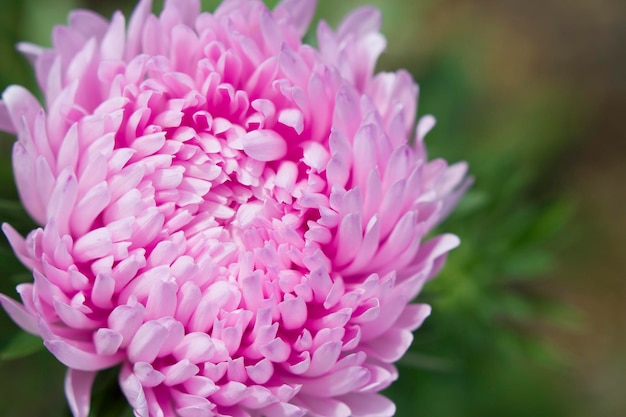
(78, 391)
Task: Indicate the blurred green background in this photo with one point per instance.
(529, 314)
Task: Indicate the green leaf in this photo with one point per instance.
(21, 345)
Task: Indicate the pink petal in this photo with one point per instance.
(162, 300)
(369, 405)
(364, 153)
(76, 358)
(424, 125)
(95, 244)
(277, 350)
(24, 170)
(6, 124)
(391, 346)
(126, 320)
(18, 244)
(360, 22)
(347, 115)
(349, 238)
(147, 375)
(264, 145)
(22, 109)
(292, 118)
(134, 392)
(261, 372)
(112, 44)
(19, 315)
(89, 207)
(258, 397)
(293, 312)
(107, 341)
(413, 316)
(298, 12)
(230, 394)
(179, 372)
(78, 391)
(337, 383)
(201, 386)
(197, 347)
(282, 409)
(147, 342)
(324, 406)
(88, 23)
(324, 358)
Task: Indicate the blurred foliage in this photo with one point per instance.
(480, 353)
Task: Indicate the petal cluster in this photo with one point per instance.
(235, 217)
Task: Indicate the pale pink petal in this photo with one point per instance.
(18, 245)
(260, 372)
(76, 358)
(107, 341)
(391, 346)
(6, 124)
(369, 405)
(147, 342)
(23, 318)
(134, 392)
(359, 22)
(325, 406)
(78, 391)
(264, 145)
(147, 375)
(299, 13)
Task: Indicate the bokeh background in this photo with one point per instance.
(529, 313)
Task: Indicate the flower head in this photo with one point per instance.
(234, 216)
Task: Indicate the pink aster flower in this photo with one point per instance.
(235, 217)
